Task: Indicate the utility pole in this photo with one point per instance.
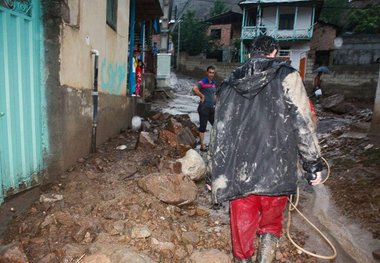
(375, 124)
(178, 44)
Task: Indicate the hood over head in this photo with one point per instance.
(253, 76)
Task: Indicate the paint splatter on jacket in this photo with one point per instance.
(262, 129)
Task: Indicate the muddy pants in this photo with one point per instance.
(251, 215)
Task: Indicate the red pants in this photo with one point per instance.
(254, 214)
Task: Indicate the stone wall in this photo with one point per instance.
(354, 69)
(358, 50)
(195, 66)
(355, 82)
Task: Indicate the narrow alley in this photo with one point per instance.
(131, 202)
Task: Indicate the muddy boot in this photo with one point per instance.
(248, 260)
(267, 249)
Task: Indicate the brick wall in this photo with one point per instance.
(225, 38)
(323, 37)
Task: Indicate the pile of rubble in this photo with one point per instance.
(140, 198)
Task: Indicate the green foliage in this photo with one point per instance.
(219, 7)
(334, 11)
(193, 37)
(366, 20)
(350, 18)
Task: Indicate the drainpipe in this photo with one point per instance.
(95, 96)
(131, 73)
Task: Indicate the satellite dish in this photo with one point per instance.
(338, 42)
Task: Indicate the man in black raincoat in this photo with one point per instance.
(262, 131)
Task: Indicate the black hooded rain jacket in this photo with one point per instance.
(262, 129)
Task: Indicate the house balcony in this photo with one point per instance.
(251, 32)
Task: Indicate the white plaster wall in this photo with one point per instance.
(269, 16)
(88, 30)
(304, 17)
(298, 51)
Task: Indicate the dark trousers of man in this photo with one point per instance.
(205, 115)
(251, 215)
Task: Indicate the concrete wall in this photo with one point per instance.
(72, 29)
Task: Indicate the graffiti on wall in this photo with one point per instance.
(112, 76)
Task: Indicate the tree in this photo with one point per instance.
(193, 35)
(350, 17)
(219, 7)
(365, 20)
(334, 11)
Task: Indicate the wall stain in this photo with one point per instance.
(112, 76)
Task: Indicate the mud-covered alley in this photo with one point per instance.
(142, 197)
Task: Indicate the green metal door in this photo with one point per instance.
(21, 133)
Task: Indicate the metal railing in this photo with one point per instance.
(251, 32)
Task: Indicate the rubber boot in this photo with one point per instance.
(267, 249)
(248, 260)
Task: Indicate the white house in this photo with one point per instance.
(291, 22)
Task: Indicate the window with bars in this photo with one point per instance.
(112, 13)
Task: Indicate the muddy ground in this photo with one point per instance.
(98, 213)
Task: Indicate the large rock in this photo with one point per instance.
(12, 253)
(168, 137)
(193, 165)
(210, 256)
(116, 253)
(166, 249)
(145, 141)
(97, 258)
(174, 126)
(173, 189)
(186, 137)
(336, 104)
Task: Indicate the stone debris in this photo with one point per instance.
(150, 204)
(50, 198)
(12, 253)
(210, 256)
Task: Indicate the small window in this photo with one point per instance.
(112, 13)
(216, 34)
(286, 22)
